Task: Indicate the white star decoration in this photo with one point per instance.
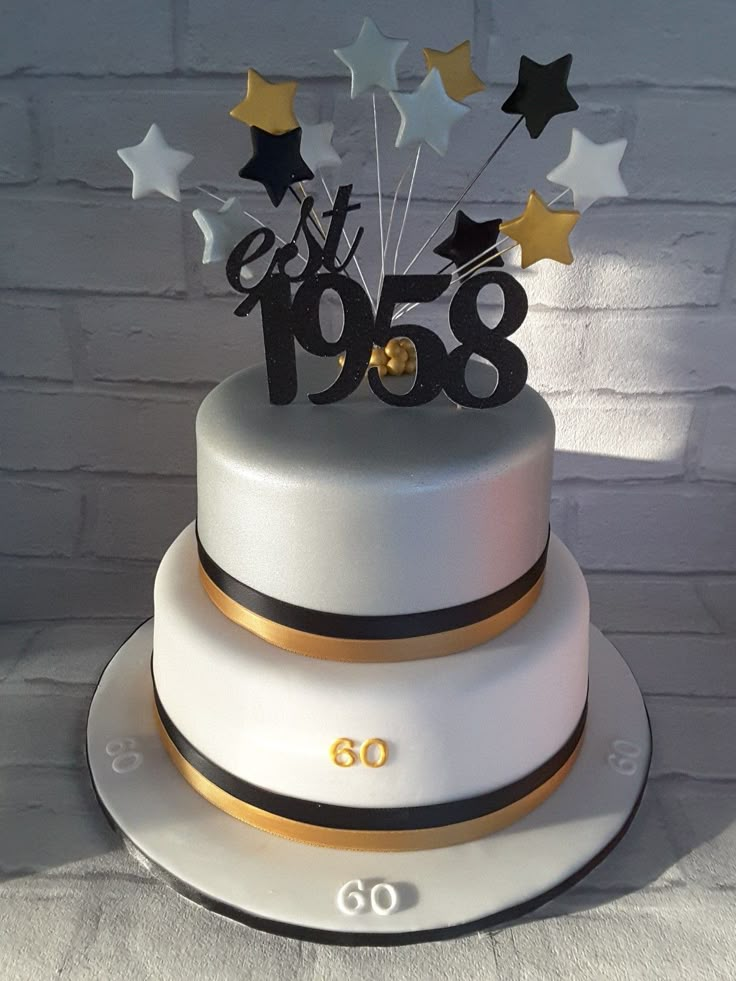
(155, 165)
(372, 59)
(591, 170)
(316, 147)
(222, 230)
(427, 114)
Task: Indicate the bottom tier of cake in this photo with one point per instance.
(289, 743)
(347, 897)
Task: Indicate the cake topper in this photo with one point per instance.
(289, 319)
(541, 232)
(470, 239)
(541, 93)
(456, 70)
(222, 230)
(286, 279)
(427, 115)
(591, 170)
(316, 146)
(155, 165)
(267, 105)
(276, 162)
(372, 59)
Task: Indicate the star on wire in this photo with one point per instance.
(541, 93)
(155, 165)
(372, 59)
(541, 232)
(316, 147)
(276, 162)
(469, 240)
(222, 230)
(591, 170)
(455, 69)
(267, 105)
(427, 114)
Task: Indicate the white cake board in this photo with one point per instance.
(292, 889)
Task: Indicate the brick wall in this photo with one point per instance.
(112, 331)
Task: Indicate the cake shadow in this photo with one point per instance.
(61, 829)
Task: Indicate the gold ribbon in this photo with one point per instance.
(371, 841)
(371, 651)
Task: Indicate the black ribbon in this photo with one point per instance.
(395, 626)
(369, 818)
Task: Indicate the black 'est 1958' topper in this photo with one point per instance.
(287, 318)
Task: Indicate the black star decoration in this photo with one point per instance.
(276, 162)
(469, 239)
(541, 93)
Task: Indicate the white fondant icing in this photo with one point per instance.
(455, 726)
(361, 508)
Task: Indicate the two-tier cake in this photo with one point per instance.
(370, 707)
(440, 685)
(370, 641)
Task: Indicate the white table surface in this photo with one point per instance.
(75, 905)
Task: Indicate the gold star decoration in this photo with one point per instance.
(267, 105)
(541, 232)
(455, 70)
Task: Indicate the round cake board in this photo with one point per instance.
(363, 898)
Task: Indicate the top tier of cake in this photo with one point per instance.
(361, 509)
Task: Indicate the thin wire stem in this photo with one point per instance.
(215, 197)
(455, 281)
(482, 261)
(472, 182)
(322, 231)
(406, 207)
(560, 195)
(393, 207)
(380, 198)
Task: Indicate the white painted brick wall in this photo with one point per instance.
(718, 461)
(46, 517)
(111, 331)
(34, 342)
(87, 244)
(79, 37)
(67, 430)
(299, 41)
(150, 340)
(670, 43)
(154, 513)
(17, 162)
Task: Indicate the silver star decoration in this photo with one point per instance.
(222, 230)
(372, 59)
(155, 165)
(316, 147)
(427, 114)
(591, 171)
